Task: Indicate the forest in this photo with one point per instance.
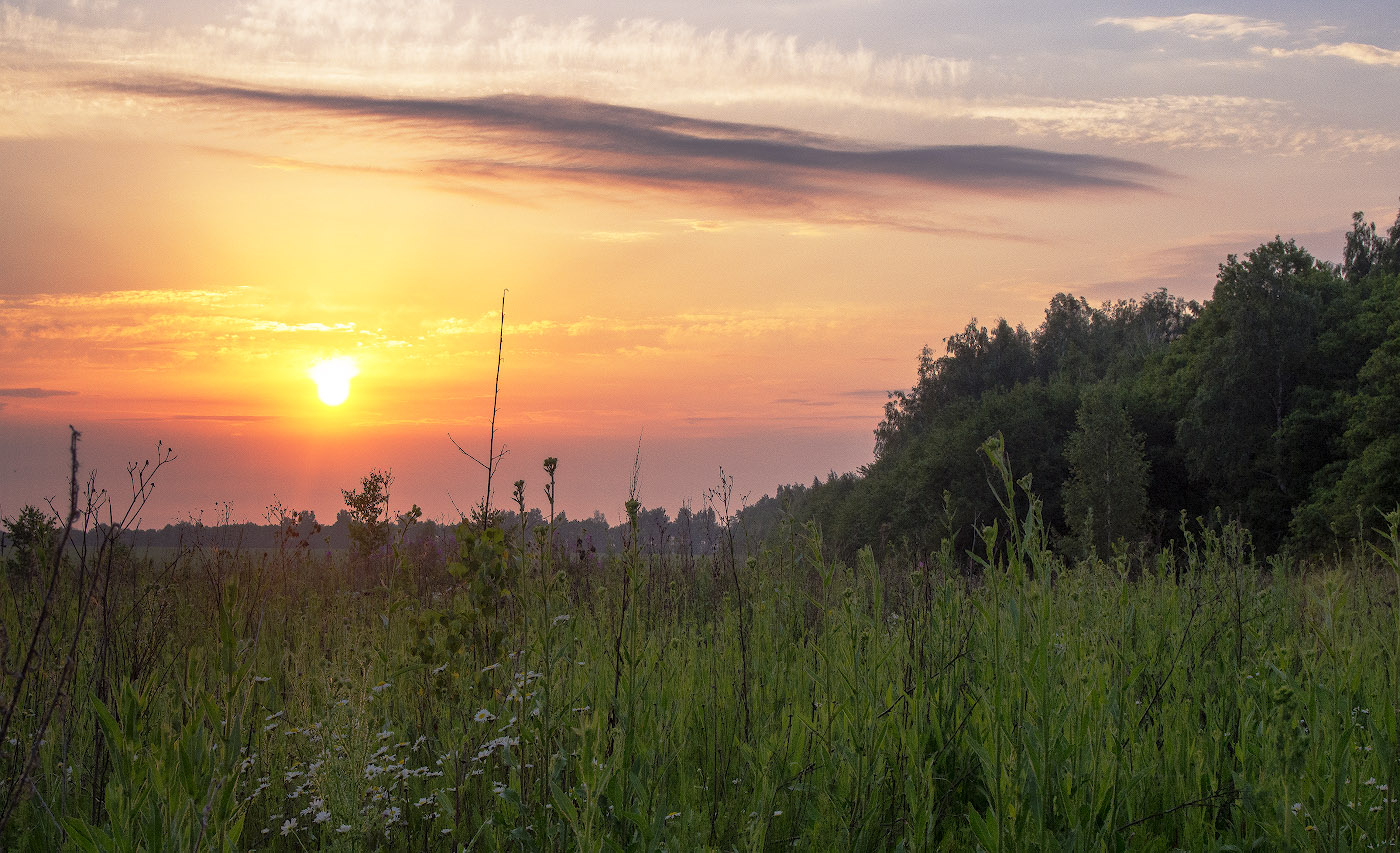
(1275, 404)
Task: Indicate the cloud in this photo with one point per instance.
(131, 298)
(228, 419)
(1200, 25)
(1364, 54)
(428, 46)
(865, 393)
(34, 393)
(619, 236)
(1202, 122)
(609, 149)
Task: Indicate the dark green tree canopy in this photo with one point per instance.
(1276, 403)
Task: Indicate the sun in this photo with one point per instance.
(332, 377)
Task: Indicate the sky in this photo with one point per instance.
(723, 231)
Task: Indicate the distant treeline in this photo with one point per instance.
(1275, 404)
(690, 532)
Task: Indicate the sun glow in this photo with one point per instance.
(332, 377)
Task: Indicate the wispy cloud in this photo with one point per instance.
(619, 236)
(429, 47)
(1202, 122)
(34, 393)
(1201, 25)
(1364, 54)
(125, 297)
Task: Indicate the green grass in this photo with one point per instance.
(1199, 702)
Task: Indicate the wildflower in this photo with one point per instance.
(274, 715)
(562, 617)
(1297, 807)
(484, 716)
(288, 825)
(423, 801)
(344, 827)
(491, 667)
(322, 816)
(381, 686)
(261, 679)
(385, 735)
(778, 813)
(672, 815)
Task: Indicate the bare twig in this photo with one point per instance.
(493, 458)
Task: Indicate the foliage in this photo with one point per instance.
(369, 512)
(1106, 494)
(894, 704)
(33, 535)
(1274, 404)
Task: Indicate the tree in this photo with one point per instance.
(369, 513)
(1105, 497)
(1368, 251)
(33, 535)
(1247, 357)
(1062, 343)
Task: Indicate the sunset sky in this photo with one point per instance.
(726, 228)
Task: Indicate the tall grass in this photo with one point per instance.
(1197, 699)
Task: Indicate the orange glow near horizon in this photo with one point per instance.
(735, 248)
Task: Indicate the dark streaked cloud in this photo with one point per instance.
(551, 140)
(801, 401)
(235, 419)
(34, 392)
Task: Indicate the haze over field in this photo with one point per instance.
(728, 227)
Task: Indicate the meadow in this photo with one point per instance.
(510, 695)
